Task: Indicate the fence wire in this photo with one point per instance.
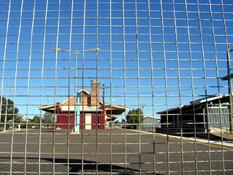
(116, 87)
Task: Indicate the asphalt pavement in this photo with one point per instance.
(110, 151)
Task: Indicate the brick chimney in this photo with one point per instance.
(95, 88)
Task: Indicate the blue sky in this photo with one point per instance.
(152, 55)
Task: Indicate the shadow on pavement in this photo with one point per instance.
(76, 165)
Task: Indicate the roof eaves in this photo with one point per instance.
(172, 109)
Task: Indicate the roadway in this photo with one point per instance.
(115, 151)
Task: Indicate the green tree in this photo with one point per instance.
(48, 118)
(134, 117)
(8, 111)
(19, 119)
(36, 119)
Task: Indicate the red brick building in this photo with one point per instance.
(94, 114)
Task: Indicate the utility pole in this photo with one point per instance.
(103, 94)
(78, 95)
(229, 85)
(104, 110)
(228, 78)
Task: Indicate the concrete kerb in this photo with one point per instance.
(11, 130)
(224, 144)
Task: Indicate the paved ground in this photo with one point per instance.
(224, 135)
(116, 151)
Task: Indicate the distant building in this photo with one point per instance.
(150, 123)
(94, 114)
(203, 115)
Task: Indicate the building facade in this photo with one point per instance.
(203, 115)
(87, 108)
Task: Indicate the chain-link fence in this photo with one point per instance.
(116, 87)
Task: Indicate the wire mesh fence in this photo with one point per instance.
(116, 87)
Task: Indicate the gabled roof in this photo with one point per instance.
(70, 104)
(71, 101)
(84, 90)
